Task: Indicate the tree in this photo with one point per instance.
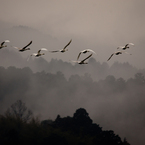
(20, 111)
(81, 117)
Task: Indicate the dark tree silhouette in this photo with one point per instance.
(81, 117)
(78, 130)
(20, 111)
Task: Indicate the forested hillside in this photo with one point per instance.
(115, 103)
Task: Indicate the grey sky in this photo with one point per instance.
(97, 24)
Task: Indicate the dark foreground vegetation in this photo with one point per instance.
(18, 126)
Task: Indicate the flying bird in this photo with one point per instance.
(85, 51)
(117, 53)
(64, 49)
(38, 53)
(24, 48)
(83, 61)
(2, 44)
(126, 46)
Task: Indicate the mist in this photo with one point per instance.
(113, 100)
(111, 91)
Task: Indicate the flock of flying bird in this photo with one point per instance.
(123, 48)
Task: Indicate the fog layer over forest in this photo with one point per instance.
(112, 92)
(113, 95)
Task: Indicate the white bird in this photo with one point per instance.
(38, 53)
(83, 61)
(126, 46)
(24, 48)
(117, 53)
(64, 49)
(85, 51)
(2, 44)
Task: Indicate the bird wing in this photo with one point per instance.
(85, 51)
(54, 51)
(130, 44)
(90, 50)
(110, 57)
(126, 45)
(27, 45)
(2, 43)
(39, 51)
(34, 54)
(42, 49)
(68, 44)
(63, 48)
(79, 55)
(120, 47)
(86, 58)
(7, 40)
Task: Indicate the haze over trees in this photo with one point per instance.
(96, 69)
(115, 103)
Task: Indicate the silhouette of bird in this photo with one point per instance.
(2, 44)
(85, 51)
(64, 49)
(38, 53)
(24, 48)
(117, 53)
(83, 61)
(126, 46)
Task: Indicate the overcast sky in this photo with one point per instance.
(101, 25)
